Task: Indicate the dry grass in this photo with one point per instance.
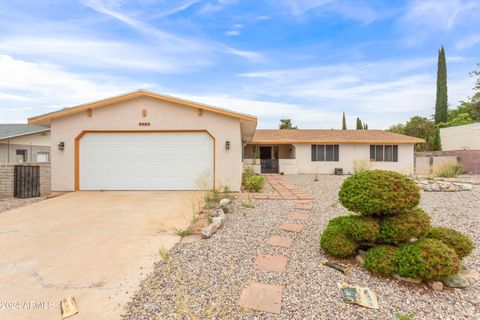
(447, 169)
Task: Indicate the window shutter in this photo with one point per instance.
(395, 153)
(314, 152)
(372, 152)
(336, 152)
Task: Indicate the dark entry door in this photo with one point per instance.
(268, 165)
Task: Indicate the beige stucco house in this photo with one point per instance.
(23, 143)
(146, 141)
(323, 151)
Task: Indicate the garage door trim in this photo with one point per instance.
(84, 132)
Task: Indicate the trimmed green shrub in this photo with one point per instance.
(427, 259)
(456, 240)
(360, 228)
(379, 192)
(401, 228)
(381, 260)
(252, 182)
(335, 241)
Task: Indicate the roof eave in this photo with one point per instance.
(280, 141)
(24, 134)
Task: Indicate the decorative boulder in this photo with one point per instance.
(379, 192)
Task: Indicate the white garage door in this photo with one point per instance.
(146, 161)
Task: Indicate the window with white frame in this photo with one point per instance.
(325, 152)
(385, 153)
(43, 156)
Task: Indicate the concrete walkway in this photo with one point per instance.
(95, 246)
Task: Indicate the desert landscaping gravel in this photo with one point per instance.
(204, 280)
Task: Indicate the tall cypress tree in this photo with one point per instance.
(344, 122)
(365, 126)
(359, 124)
(441, 102)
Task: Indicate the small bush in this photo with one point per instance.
(335, 241)
(360, 228)
(381, 260)
(401, 228)
(427, 259)
(447, 169)
(254, 183)
(248, 172)
(379, 192)
(456, 240)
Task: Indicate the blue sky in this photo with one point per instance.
(308, 60)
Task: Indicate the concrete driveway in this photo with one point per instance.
(95, 246)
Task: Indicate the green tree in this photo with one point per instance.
(286, 124)
(397, 128)
(365, 126)
(344, 122)
(359, 124)
(423, 128)
(436, 144)
(441, 102)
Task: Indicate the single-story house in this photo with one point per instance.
(23, 143)
(466, 137)
(323, 151)
(147, 141)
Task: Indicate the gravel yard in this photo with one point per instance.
(12, 203)
(204, 279)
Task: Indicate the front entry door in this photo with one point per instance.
(268, 165)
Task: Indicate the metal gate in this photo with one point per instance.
(27, 182)
(269, 165)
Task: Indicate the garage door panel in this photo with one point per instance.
(145, 161)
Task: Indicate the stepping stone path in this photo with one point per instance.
(270, 263)
(268, 297)
(284, 190)
(290, 227)
(278, 241)
(262, 297)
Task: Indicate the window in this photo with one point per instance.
(43, 157)
(329, 152)
(388, 153)
(21, 155)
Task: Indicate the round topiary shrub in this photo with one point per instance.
(456, 240)
(379, 192)
(335, 241)
(360, 228)
(381, 260)
(414, 223)
(427, 259)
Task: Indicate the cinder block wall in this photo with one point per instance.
(7, 178)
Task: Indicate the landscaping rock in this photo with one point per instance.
(471, 275)
(359, 259)
(410, 280)
(224, 202)
(217, 213)
(464, 186)
(209, 230)
(435, 285)
(456, 281)
(218, 221)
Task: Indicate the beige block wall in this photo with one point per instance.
(348, 153)
(162, 115)
(7, 183)
(465, 137)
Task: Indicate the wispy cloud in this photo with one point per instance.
(170, 42)
(235, 30)
(468, 42)
(176, 9)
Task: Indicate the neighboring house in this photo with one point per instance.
(466, 137)
(23, 143)
(322, 151)
(147, 141)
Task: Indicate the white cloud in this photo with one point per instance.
(235, 30)
(468, 42)
(29, 88)
(170, 42)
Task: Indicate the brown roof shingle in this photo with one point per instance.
(353, 136)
